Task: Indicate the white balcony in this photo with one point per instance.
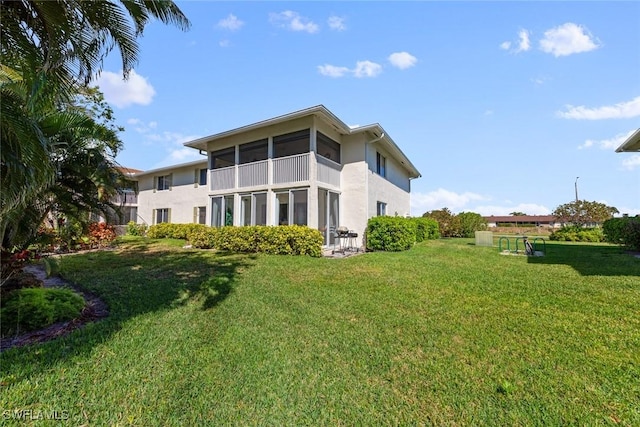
(283, 170)
(253, 174)
(328, 171)
(125, 198)
(291, 169)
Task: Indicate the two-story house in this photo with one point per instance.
(306, 168)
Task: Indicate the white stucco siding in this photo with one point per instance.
(353, 182)
(182, 197)
(393, 189)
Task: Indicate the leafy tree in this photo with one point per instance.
(518, 213)
(49, 49)
(583, 212)
(470, 222)
(449, 224)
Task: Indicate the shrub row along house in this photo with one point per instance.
(304, 168)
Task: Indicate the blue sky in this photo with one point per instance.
(500, 105)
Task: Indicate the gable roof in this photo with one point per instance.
(632, 144)
(320, 111)
(202, 162)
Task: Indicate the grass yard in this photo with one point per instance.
(447, 334)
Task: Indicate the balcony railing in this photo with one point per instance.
(252, 174)
(283, 170)
(126, 198)
(291, 169)
(328, 171)
(223, 178)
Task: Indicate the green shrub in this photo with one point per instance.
(168, 230)
(470, 222)
(30, 309)
(426, 229)
(203, 238)
(577, 234)
(389, 233)
(624, 231)
(276, 240)
(134, 229)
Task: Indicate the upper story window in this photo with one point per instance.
(254, 151)
(202, 176)
(163, 182)
(381, 165)
(291, 143)
(327, 147)
(223, 158)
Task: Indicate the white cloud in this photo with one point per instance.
(607, 144)
(332, 70)
(568, 39)
(224, 43)
(367, 69)
(231, 23)
(622, 110)
(123, 93)
(293, 21)
(523, 43)
(504, 210)
(402, 60)
(336, 23)
(488, 112)
(632, 162)
(441, 198)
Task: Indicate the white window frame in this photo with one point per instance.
(381, 209)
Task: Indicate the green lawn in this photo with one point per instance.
(446, 333)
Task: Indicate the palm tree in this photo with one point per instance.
(49, 47)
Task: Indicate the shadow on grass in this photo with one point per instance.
(135, 279)
(590, 259)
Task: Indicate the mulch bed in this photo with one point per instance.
(94, 310)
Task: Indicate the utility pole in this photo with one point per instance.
(576, 185)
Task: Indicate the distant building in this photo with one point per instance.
(523, 221)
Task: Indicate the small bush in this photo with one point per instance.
(168, 230)
(426, 229)
(623, 231)
(388, 233)
(101, 234)
(29, 309)
(134, 229)
(204, 238)
(275, 240)
(577, 234)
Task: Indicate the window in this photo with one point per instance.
(222, 211)
(162, 215)
(261, 208)
(245, 210)
(228, 210)
(327, 147)
(381, 208)
(291, 143)
(254, 151)
(202, 177)
(381, 165)
(200, 215)
(223, 158)
(292, 207)
(163, 182)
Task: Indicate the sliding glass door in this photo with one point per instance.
(328, 214)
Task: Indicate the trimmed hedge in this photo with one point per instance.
(577, 234)
(426, 229)
(275, 240)
(29, 309)
(167, 230)
(623, 231)
(390, 233)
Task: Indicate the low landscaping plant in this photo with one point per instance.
(275, 240)
(168, 230)
(29, 309)
(134, 229)
(426, 229)
(390, 233)
(577, 234)
(623, 231)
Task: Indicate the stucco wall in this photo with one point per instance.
(183, 196)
